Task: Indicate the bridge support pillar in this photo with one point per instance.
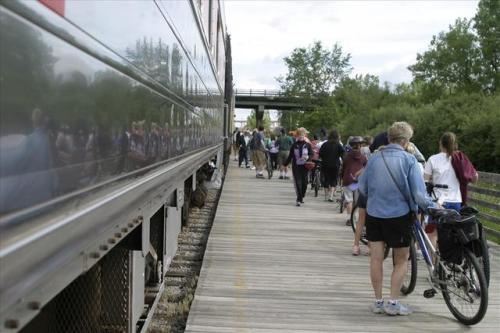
(259, 114)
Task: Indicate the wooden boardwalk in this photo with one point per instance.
(273, 267)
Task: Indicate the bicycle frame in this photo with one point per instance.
(425, 244)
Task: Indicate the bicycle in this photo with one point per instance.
(341, 202)
(480, 246)
(316, 177)
(458, 274)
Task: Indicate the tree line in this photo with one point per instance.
(455, 87)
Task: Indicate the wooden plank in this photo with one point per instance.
(489, 177)
(273, 267)
(489, 218)
(484, 203)
(492, 232)
(486, 191)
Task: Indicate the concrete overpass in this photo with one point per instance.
(260, 100)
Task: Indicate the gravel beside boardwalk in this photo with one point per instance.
(273, 267)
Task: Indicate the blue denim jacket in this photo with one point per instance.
(384, 198)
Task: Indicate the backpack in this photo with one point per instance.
(465, 172)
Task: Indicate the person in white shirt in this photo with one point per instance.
(438, 170)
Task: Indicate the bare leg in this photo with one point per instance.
(359, 226)
(376, 268)
(349, 208)
(399, 271)
(332, 191)
(433, 236)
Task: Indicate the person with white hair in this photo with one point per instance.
(300, 153)
(395, 189)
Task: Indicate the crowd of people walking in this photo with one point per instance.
(386, 177)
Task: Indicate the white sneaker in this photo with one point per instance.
(378, 307)
(395, 309)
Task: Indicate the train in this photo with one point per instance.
(108, 109)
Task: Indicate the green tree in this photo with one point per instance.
(252, 120)
(314, 71)
(487, 25)
(452, 61)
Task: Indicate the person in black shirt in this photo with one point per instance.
(300, 153)
(330, 154)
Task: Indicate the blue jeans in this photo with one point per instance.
(452, 205)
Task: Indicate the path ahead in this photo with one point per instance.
(273, 267)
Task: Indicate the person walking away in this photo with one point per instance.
(273, 152)
(251, 147)
(354, 162)
(243, 141)
(330, 153)
(284, 143)
(235, 143)
(394, 189)
(300, 152)
(439, 170)
(314, 145)
(259, 153)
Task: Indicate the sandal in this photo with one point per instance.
(356, 250)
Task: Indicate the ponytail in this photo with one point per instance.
(449, 143)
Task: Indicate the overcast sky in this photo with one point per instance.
(383, 37)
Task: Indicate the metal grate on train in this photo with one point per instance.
(97, 301)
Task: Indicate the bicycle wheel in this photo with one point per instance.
(341, 203)
(411, 273)
(484, 259)
(464, 289)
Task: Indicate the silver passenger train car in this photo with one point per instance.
(107, 110)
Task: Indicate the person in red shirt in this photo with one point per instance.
(354, 163)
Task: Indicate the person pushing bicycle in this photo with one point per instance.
(394, 188)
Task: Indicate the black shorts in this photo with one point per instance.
(361, 203)
(330, 174)
(395, 232)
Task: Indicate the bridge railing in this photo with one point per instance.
(257, 92)
(485, 195)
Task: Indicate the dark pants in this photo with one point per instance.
(274, 160)
(243, 156)
(300, 181)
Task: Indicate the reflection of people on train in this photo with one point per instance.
(26, 167)
(165, 142)
(153, 144)
(90, 165)
(67, 169)
(137, 146)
